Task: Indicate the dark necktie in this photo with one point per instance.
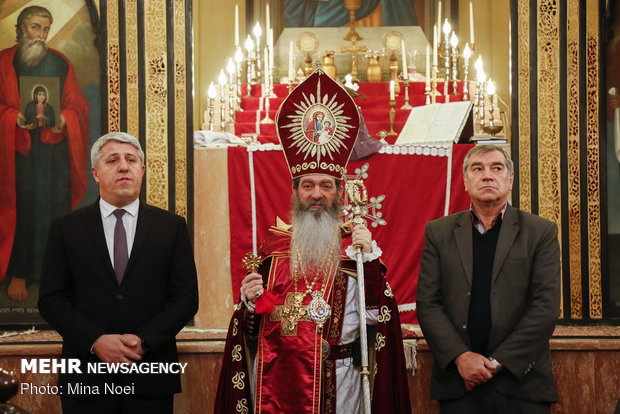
(120, 246)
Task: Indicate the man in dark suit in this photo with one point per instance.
(118, 283)
(488, 297)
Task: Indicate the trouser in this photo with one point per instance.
(484, 399)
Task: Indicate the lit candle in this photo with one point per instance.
(471, 23)
(211, 91)
(392, 92)
(267, 26)
(454, 41)
(490, 87)
(466, 51)
(439, 14)
(257, 33)
(222, 78)
(447, 29)
(435, 45)
(230, 67)
(271, 48)
(404, 53)
(478, 65)
(236, 25)
(428, 64)
(291, 68)
(266, 64)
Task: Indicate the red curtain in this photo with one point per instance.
(414, 187)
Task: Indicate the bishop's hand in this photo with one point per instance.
(361, 236)
(252, 286)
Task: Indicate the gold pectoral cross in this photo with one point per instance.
(290, 313)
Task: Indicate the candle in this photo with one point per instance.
(471, 23)
(435, 45)
(222, 79)
(404, 53)
(454, 41)
(236, 25)
(257, 32)
(230, 67)
(291, 68)
(392, 92)
(439, 14)
(211, 91)
(267, 26)
(266, 65)
(466, 52)
(447, 29)
(428, 64)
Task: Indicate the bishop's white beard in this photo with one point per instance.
(31, 52)
(315, 243)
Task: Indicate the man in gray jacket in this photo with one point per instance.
(488, 297)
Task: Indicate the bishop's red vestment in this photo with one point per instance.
(297, 373)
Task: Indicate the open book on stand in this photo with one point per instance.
(438, 123)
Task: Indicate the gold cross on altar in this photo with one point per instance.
(354, 50)
(290, 313)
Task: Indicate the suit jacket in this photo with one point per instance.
(81, 298)
(525, 297)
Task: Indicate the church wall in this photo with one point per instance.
(147, 51)
(557, 136)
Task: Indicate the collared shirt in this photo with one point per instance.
(478, 223)
(130, 221)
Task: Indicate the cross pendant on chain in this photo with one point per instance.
(290, 313)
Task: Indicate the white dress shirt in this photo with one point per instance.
(130, 220)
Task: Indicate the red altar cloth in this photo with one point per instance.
(414, 186)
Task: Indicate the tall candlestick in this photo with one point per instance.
(266, 72)
(257, 31)
(392, 115)
(271, 54)
(404, 58)
(491, 94)
(439, 14)
(466, 57)
(222, 81)
(428, 64)
(212, 93)
(291, 67)
(435, 45)
(471, 23)
(454, 41)
(232, 90)
(392, 92)
(236, 25)
(267, 25)
(427, 88)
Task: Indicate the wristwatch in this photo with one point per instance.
(495, 363)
